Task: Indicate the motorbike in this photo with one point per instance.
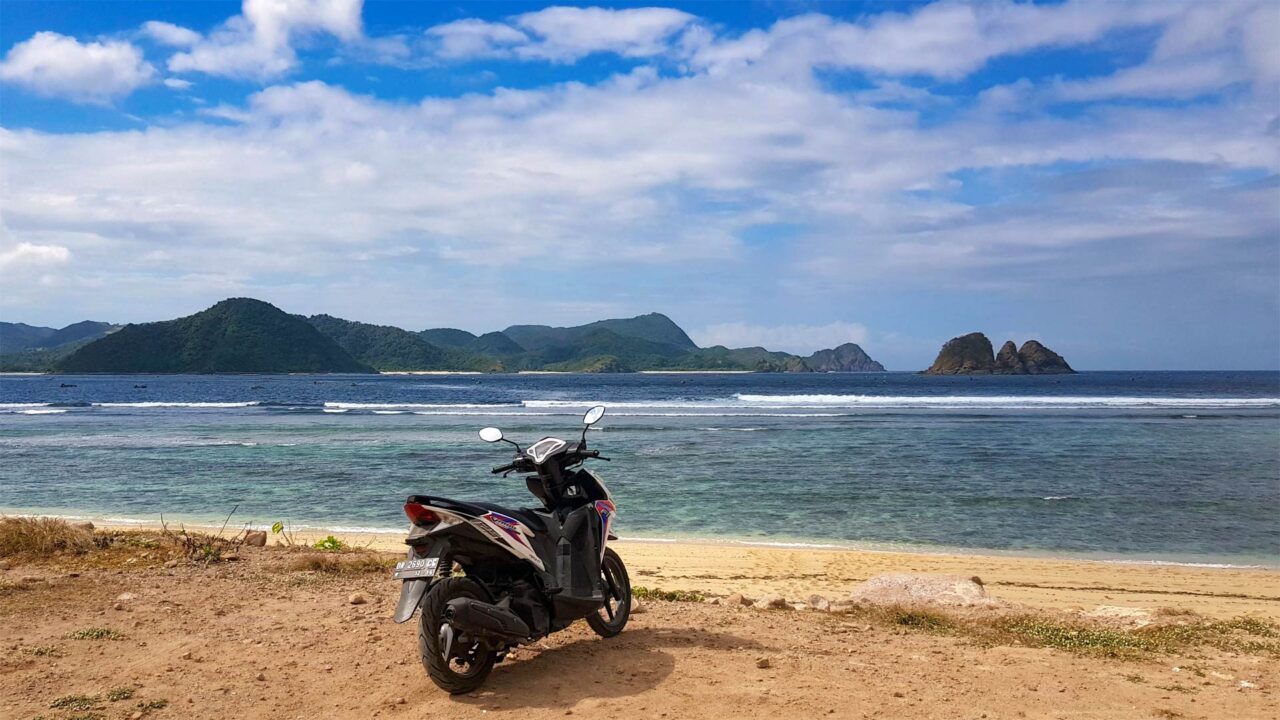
(485, 578)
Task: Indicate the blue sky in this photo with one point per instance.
(1101, 176)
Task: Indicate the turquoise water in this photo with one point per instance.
(1181, 467)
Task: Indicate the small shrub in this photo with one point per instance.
(42, 651)
(95, 634)
(42, 537)
(640, 592)
(351, 565)
(75, 702)
(120, 693)
(926, 620)
(149, 705)
(330, 544)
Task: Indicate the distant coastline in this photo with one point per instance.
(244, 335)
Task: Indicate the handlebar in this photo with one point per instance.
(523, 463)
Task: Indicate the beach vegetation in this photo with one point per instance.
(330, 544)
(75, 702)
(147, 706)
(42, 537)
(1244, 635)
(120, 693)
(95, 633)
(641, 592)
(41, 650)
(350, 564)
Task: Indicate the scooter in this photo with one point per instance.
(487, 578)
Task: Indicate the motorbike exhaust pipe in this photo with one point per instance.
(484, 619)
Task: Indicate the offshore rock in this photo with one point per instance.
(965, 355)
(848, 357)
(972, 355)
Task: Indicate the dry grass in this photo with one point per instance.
(42, 537)
(344, 564)
(1242, 635)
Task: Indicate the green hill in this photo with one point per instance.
(448, 337)
(236, 335)
(654, 328)
(495, 343)
(389, 348)
(246, 335)
(19, 337)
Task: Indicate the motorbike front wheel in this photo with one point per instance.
(612, 617)
(455, 663)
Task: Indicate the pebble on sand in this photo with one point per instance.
(357, 599)
(762, 663)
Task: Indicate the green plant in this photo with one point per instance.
(42, 651)
(330, 544)
(640, 592)
(120, 693)
(75, 702)
(95, 634)
(149, 705)
(283, 530)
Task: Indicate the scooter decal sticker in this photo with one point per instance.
(606, 510)
(513, 533)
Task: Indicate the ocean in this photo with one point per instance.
(1138, 466)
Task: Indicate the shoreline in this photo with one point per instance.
(386, 538)
(721, 568)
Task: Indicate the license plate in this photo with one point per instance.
(410, 569)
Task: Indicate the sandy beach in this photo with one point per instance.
(140, 630)
(721, 569)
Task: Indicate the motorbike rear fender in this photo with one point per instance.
(412, 591)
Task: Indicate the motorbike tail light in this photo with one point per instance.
(420, 514)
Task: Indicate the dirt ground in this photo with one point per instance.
(259, 638)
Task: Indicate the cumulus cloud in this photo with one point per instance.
(257, 44)
(943, 40)
(562, 34)
(170, 34)
(472, 38)
(54, 65)
(802, 339)
(682, 173)
(30, 256)
(568, 33)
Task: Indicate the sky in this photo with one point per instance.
(1101, 176)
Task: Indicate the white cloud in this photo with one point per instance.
(177, 83)
(29, 256)
(472, 38)
(326, 188)
(170, 34)
(803, 339)
(569, 33)
(55, 65)
(561, 34)
(257, 43)
(945, 40)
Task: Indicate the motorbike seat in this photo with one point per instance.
(524, 515)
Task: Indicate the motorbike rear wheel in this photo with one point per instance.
(455, 663)
(612, 617)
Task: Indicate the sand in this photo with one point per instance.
(258, 638)
(723, 569)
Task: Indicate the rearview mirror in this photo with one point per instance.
(593, 415)
(491, 434)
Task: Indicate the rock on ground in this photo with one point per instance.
(915, 589)
(773, 602)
